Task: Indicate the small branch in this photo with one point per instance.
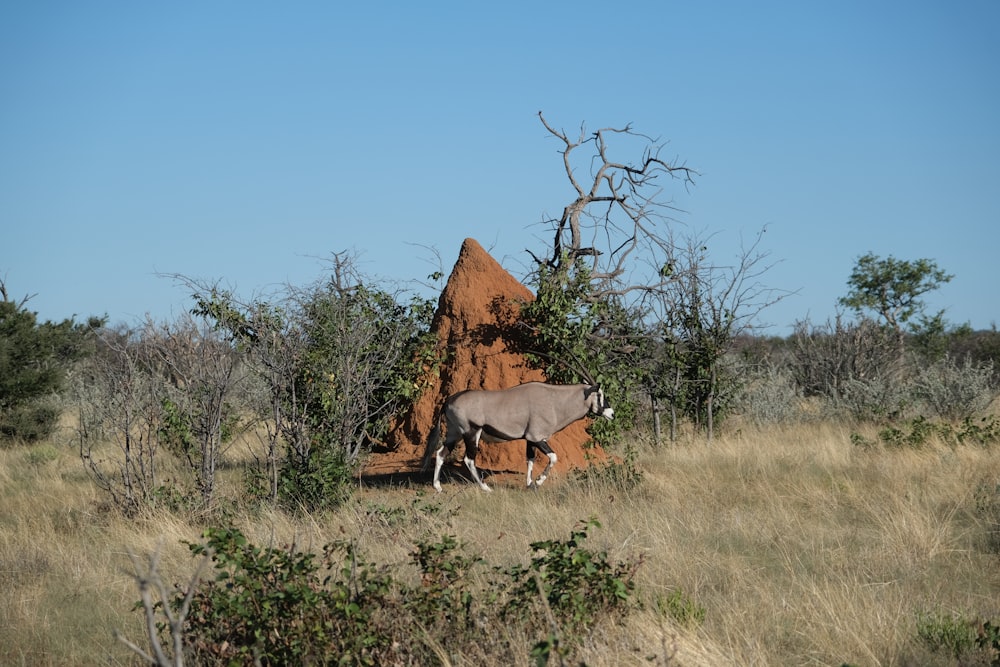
(148, 579)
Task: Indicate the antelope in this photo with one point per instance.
(533, 411)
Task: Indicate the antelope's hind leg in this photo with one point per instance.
(438, 462)
(445, 448)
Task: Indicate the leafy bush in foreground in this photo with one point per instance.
(273, 606)
(577, 585)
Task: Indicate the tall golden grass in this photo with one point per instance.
(800, 547)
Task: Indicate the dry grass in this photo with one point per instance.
(801, 548)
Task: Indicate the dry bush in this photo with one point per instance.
(956, 390)
(767, 394)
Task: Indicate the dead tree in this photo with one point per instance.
(119, 401)
(616, 219)
(617, 288)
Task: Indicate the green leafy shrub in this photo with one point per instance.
(945, 632)
(920, 432)
(273, 606)
(446, 592)
(324, 479)
(175, 431)
(31, 422)
(861, 442)
(283, 607)
(174, 497)
(573, 583)
(968, 641)
(988, 640)
(336, 362)
(680, 607)
(569, 329)
(983, 432)
(34, 359)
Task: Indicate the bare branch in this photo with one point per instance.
(147, 577)
(619, 208)
(5, 297)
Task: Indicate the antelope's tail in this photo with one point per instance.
(433, 441)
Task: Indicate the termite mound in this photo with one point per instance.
(477, 341)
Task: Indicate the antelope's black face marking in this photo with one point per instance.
(599, 404)
(607, 411)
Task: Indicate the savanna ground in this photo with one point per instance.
(799, 546)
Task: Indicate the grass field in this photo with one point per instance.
(798, 547)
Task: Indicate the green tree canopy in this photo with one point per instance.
(34, 358)
(892, 288)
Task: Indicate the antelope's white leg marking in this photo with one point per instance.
(545, 473)
(438, 462)
(471, 465)
(531, 464)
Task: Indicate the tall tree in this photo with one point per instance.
(892, 288)
(618, 292)
(606, 254)
(34, 359)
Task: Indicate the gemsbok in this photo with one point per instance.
(532, 411)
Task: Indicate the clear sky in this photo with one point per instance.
(247, 141)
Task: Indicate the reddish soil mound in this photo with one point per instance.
(474, 323)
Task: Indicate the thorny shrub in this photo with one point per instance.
(954, 390)
(877, 399)
(767, 395)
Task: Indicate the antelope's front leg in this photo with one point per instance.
(529, 454)
(544, 446)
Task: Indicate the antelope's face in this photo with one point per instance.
(599, 404)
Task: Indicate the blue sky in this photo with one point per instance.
(246, 142)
